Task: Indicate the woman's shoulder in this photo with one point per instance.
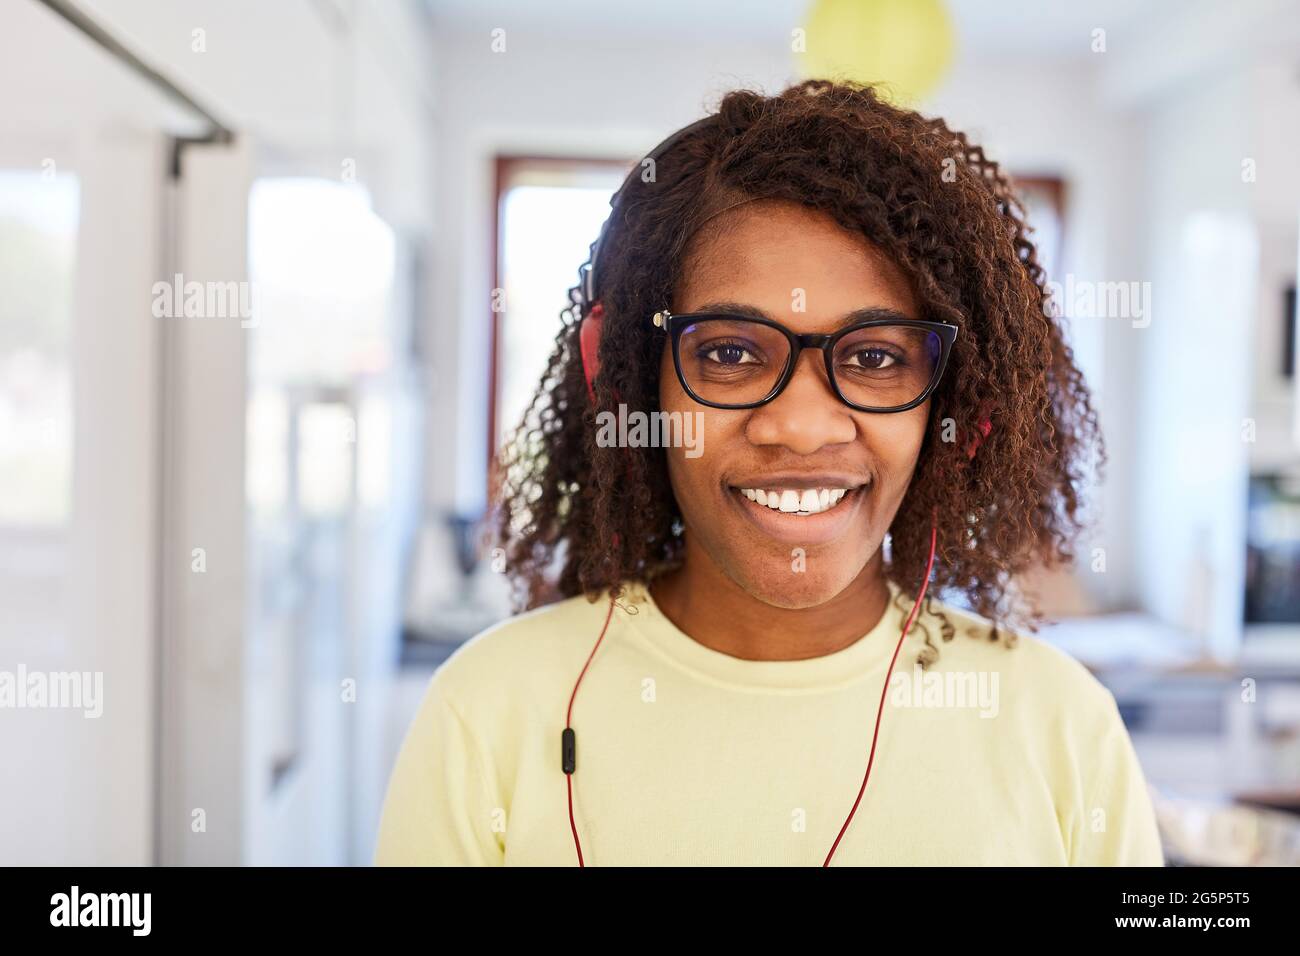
(534, 649)
(1036, 669)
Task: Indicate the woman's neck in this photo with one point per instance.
(711, 608)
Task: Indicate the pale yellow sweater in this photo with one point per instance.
(687, 756)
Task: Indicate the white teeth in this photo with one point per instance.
(800, 501)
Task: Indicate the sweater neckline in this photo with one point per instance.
(866, 656)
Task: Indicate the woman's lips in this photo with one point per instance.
(800, 528)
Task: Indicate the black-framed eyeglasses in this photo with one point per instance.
(733, 361)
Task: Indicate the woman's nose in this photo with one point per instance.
(807, 415)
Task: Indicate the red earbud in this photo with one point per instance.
(982, 431)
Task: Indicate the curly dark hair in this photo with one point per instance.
(575, 517)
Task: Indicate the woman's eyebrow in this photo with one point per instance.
(858, 315)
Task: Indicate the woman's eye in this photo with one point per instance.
(730, 355)
(871, 359)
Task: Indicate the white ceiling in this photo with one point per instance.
(1031, 28)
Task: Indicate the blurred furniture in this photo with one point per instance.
(1273, 550)
(453, 593)
(1206, 833)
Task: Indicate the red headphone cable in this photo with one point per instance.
(925, 583)
(568, 741)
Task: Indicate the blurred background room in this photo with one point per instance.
(278, 278)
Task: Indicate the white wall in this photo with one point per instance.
(1275, 205)
(339, 78)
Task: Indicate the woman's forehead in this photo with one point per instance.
(787, 258)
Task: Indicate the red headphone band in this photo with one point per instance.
(590, 325)
(589, 332)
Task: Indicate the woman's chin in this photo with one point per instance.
(793, 587)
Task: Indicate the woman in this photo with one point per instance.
(744, 660)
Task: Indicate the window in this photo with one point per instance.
(549, 212)
(38, 239)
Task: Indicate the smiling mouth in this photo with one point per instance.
(800, 502)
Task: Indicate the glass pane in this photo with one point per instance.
(546, 233)
(322, 265)
(38, 239)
